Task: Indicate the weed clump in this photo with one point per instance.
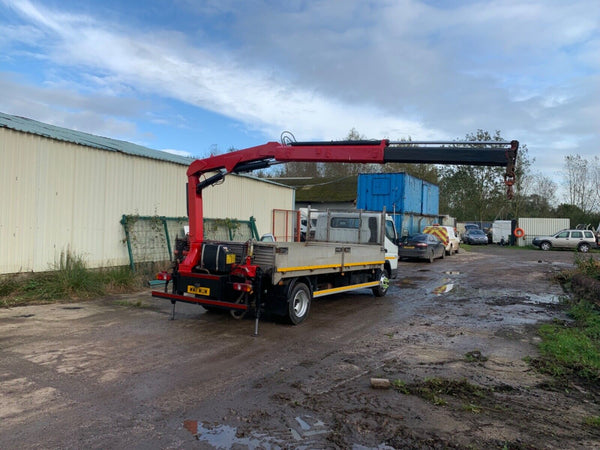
(69, 279)
(572, 348)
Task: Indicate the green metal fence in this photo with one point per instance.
(151, 239)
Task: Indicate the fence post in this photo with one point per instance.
(128, 241)
(253, 229)
(166, 228)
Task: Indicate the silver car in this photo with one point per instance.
(582, 240)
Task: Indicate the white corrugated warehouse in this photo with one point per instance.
(64, 190)
(535, 226)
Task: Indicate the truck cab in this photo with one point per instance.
(359, 227)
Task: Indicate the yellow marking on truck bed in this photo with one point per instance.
(324, 266)
(328, 266)
(345, 288)
(368, 263)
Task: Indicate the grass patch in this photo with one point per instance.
(435, 390)
(588, 266)
(593, 421)
(70, 279)
(572, 348)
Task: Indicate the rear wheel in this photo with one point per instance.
(298, 303)
(431, 257)
(584, 248)
(545, 246)
(384, 283)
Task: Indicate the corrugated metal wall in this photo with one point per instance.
(58, 196)
(540, 227)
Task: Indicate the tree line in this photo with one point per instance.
(474, 193)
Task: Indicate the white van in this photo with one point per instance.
(447, 235)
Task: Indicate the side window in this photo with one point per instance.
(589, 234)
(344, 222)
(564, 234)
(390, 230)
(576, 234)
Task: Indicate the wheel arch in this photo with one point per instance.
(294, 281)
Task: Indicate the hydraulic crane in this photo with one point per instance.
(268, 283)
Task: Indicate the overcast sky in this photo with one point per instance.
(199, 76)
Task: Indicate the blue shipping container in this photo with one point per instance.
(397, 193)
(409, 224)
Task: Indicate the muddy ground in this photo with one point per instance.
(452, 336)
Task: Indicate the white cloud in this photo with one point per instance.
(389, 69)
(166, 64)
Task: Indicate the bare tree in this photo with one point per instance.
(579, 182)
(546, 188)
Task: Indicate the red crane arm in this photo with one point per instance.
(493, 153)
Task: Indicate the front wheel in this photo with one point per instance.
(299, 303)
(545, 246)
(384, 283)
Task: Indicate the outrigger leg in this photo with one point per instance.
(256, 322)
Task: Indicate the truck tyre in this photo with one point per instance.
(298, 303)
(545, 245)
(584, 248)
(384, 283)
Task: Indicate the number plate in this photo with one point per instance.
(409, 246)
(198, 290)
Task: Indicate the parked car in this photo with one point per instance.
(421, 246)
(447, 235)
(475, 236)
(582, 240)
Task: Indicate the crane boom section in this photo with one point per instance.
(384, 151)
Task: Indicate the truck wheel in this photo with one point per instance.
(298, 303)
(545, 246)
(384, 283)
(584, 248)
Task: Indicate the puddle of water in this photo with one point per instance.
(379, 447)
(72, 307)
(303, 430)
(443, 289)
(542, 299)
(225, 437)
(25, 316)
